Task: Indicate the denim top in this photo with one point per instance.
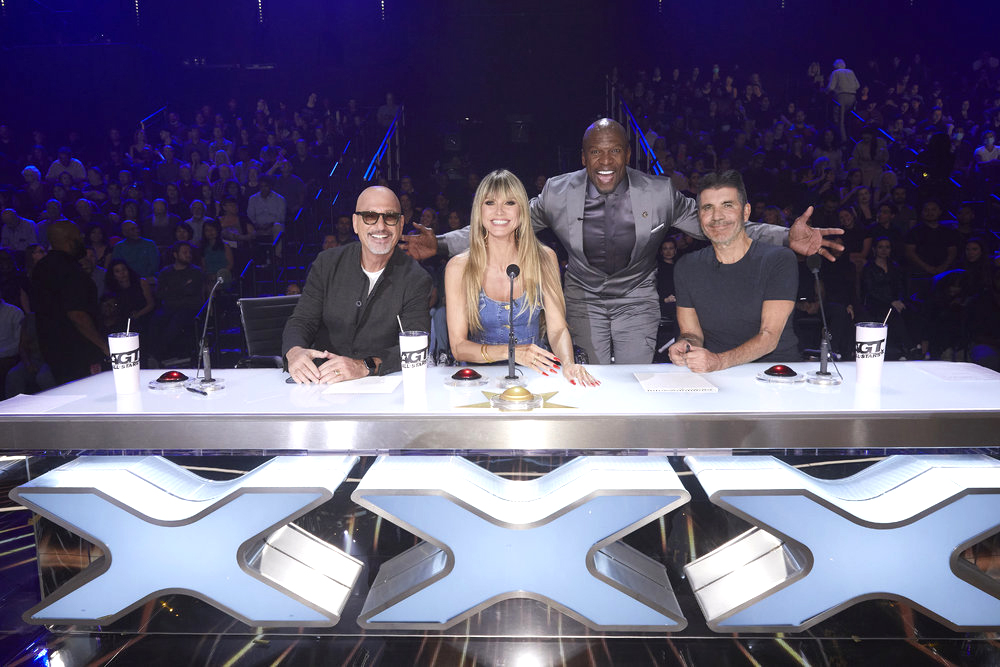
(495, 318)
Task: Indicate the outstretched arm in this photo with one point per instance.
(806, 240)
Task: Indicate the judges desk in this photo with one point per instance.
(919, 405)
(629, 537)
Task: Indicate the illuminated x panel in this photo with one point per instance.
(553, 539)
(893, 531)
(165, 530)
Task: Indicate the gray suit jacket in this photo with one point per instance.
(657, 208)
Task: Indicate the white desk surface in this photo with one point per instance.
(919, 404)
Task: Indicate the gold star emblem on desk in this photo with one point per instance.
(517, 394)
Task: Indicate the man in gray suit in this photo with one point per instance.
(612, 219)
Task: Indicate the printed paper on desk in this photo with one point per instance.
(369, 385)
(682, 382)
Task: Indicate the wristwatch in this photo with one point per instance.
(370, 365)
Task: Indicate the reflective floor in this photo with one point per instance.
(180, 630)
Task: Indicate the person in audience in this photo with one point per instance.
(168, 168)
(128, 299)
(884, 294)
(66, 163)
(197, 220)
(96, 273)
(98, 243)
(735, 298)
(141, 254)
(216, 254)
(189, 187)
(65, 302)
(175, 205)
(267, 210)
(291, 187)
(329, 338)
(667, 295)
(984, 326)
(13, 348)
(180, 291)
(477, 288)
(236, 227)
(17, 232)
(160, 225)
(931, 248)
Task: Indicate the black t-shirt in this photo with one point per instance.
(60, 285)
(728, 298)
(932, 243)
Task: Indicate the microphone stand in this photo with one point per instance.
(822, 376)
(511, 379)
(512, 339)
(207, 383)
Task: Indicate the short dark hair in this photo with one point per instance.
(177, 246)
(727, 179)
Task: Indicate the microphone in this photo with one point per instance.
(822, 376)
(207, 383)
(513, 271)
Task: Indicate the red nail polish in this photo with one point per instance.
(545, 374)
(573, 381)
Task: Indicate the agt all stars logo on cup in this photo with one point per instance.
(414, 358)
(128, 359)
(871, 349)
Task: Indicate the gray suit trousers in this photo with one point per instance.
(619, 327)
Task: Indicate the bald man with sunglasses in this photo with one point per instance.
(344, 326)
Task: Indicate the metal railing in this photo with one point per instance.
(388, 150)
(643, 157)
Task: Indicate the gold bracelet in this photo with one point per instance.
(486, 357)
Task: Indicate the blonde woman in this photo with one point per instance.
(477, 287)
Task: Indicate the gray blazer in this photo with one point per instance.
(657, 208)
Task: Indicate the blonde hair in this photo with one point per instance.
(538, 276)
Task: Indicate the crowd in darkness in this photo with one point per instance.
(913, 183)
(163, 211)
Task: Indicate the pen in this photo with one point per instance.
(195, 390)
(688, 348)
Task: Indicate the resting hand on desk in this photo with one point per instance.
(303, 368)
(341, 369)
(577, 374)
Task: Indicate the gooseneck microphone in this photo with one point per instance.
(204, 354)
(513, 271)
(822, 376)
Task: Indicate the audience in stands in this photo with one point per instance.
(914, 183)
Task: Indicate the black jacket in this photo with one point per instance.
(336, 313)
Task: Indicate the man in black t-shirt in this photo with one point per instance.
(733, 299)
(931, 247)
(65, 302)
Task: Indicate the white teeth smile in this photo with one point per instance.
(606, 173)
(500, 222)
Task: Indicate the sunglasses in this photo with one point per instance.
(371, 217)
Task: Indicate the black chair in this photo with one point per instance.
(263, 321)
